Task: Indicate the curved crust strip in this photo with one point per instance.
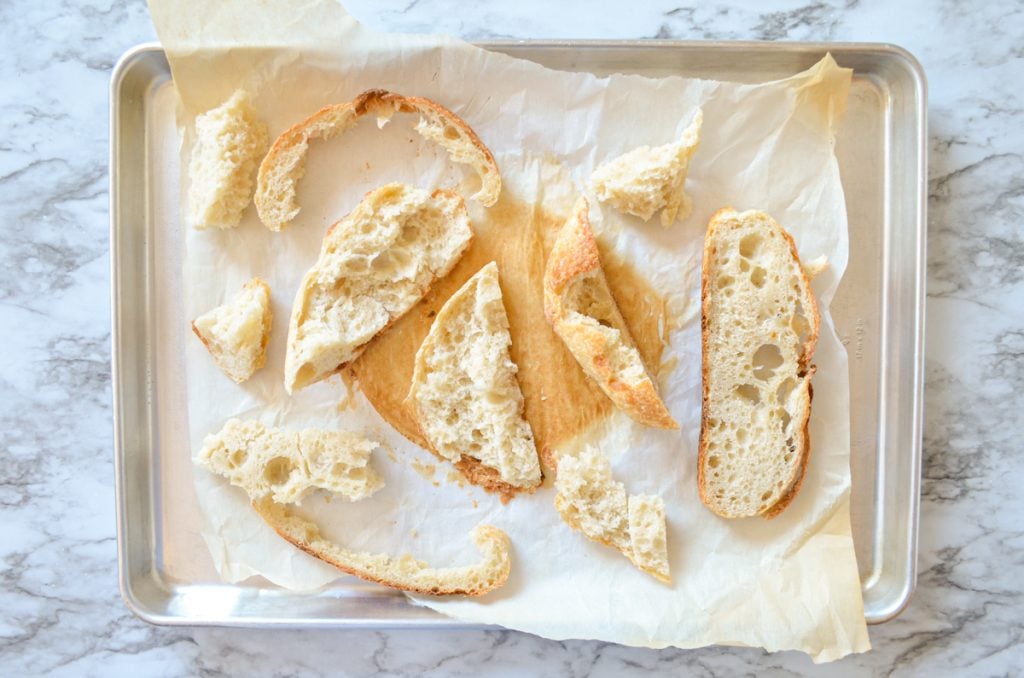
(284, 164)
(602, 345)
(405, 572)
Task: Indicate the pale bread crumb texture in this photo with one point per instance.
(237, 332)
(644, 180)
(464, 390)
(760, 326)
(285, 465)
(590, 500)
(230, 140)
(284, 165)
(580, 307)
(374, 265)
(403, 572)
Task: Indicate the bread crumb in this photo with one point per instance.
(424, 469)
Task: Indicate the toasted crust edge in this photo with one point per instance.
(575, 254)
(483, 534)
(809, 345)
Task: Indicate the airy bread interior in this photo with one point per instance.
(374, 265)
(236, 333)
(464, 391)
(760, 326)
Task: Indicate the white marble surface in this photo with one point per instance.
(62, 613)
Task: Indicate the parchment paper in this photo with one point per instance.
(789, 583)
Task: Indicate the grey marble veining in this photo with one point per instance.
(62, 611)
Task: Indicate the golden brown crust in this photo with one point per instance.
(336, 118)
(575, 255)
(274, 514)
(805, 369)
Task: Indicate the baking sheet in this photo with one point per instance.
(164, 574)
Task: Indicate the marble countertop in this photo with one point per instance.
(62, 610)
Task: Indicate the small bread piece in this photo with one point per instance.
(230, 140)
(759, 327)
(286, 465)
(590, 500)
(236, 333)
(646, 179)
(374, 265)
(464, 391)
(405, 572)
(284, 164)
(579, 305)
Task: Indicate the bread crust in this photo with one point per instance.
(280, 165)
(486, 537)
(806, 370)
(574, 256)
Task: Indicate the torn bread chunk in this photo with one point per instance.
(645, 180)
(590, 500)
(404, 572)
(580, 307)
(236, 333)
(374, 265)
(230, 140)
(759, 321)
(464, 391)
(286, 465)
(284, 164)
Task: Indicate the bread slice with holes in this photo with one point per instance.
(284, 165)
(590, 500)
(404, 572)
(759, 324)
(645, 180)
(230, 140)
(580, 307)
(465, 395)
(285, 465)
(236, 333)
(374, 265)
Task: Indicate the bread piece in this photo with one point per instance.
(230, 140)
(590, 500)
(464, 392)
(284, 164)
(286, 465)
(236, 333)
(579, 305)
(405, 572)
(759, 325)
(646, 179)
(374, 265)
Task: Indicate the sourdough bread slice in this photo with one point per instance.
(580, 307)
(285, 465)
(465, 395)
(645, 180)
(759, 323)
(236, 333)
(374, 265)
(590, 500)
(404, 572)
(284, 164)
(230, 140)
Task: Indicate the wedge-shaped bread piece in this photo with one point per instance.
(645, 180)
(230, 140)
(580, 307)
(286, 465)
(404, 572)
(236, 333)
(374, 265)
(464, 391)
(759, 323)
(590, 500)
(284, 164)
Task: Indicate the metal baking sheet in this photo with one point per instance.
(166, 574)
